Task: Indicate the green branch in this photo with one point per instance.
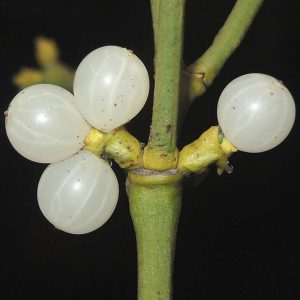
(204, 70)
(161, 151)
(155, 15)
(155, 201)
(154, 189)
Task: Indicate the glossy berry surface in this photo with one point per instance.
(256, 112)
(43, 124)
(79, 194)
(111, 86)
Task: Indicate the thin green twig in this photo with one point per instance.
(155, 13)
(205, 69)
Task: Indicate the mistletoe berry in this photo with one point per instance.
(256, 112)
(111, 86)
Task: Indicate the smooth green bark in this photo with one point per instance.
(169, 20)
(155, 14)
(155, 196)
(208, 66)
(155, 202)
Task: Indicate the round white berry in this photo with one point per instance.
(43, 124)
(111, 86)
(79, 194)
(256, 112)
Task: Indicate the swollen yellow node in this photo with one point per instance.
(158, 160)
(95, 141)
(149, 178)
(124, 148)
(119, 145)
(227, 147)
(206, 150)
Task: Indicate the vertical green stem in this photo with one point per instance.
(155, 202)
(155, 191)
(155, 15)
(168, 22)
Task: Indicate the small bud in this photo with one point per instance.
(46, 51)
(27, 77)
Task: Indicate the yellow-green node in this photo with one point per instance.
(159, 160)
(206, 150)
(95, 141)
(150, 178)
(124, 148)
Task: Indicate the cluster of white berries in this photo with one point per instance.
(78, 191)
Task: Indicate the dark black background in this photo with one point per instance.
(238, 234)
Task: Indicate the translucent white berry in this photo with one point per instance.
(256, 112)
(43, 124)
(111, 86)
(79, 194)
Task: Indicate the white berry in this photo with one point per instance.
(79, 194)
(256, 112)
(43, 124)
(111, 86)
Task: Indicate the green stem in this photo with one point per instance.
(155, 14)
(155, 191)
(155, 201)
(204, 70)
(169, 39)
